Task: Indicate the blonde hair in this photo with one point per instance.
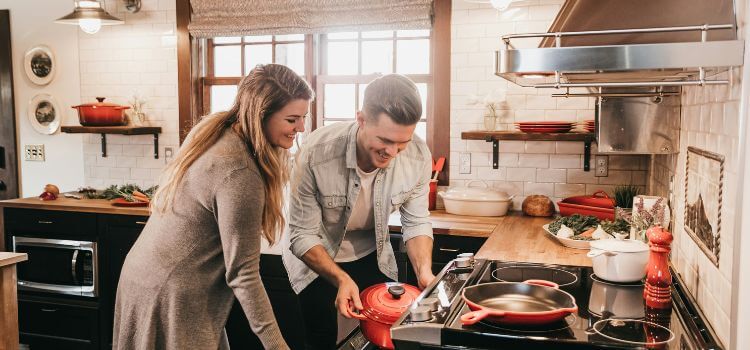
(266, 90)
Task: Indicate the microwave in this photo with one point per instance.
(57, 266)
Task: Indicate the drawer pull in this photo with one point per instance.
(49, 310)
(140, 222)
(44, 222)
(449, 250)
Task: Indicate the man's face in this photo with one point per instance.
(379, 140)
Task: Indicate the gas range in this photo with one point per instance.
(610, 316)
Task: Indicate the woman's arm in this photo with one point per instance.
(239, 201)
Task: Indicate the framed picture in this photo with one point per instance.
(44, 114)
(39, 64)
(704, 183)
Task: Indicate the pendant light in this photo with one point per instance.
(500, 5)
(90, 16)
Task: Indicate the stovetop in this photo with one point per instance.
(610, 316)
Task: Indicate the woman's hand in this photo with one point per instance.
(347, 298)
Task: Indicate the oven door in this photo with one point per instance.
(57, 266)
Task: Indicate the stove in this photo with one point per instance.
(610, 316)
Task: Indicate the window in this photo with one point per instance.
(348, 61)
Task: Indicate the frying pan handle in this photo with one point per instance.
(473, 317)
(543, 283)
(601, 194)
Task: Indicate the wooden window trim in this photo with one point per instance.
(191, 88)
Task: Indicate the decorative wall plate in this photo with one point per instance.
(704, 186)
(39, 64)
(44, 114)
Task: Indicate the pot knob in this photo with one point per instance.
(463, 263)
(432, 303)
(469, 256)
(396, 291)
(421, 314)
(100, 99)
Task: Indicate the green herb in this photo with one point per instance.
(578, 223)
(124, 191)
(624, 195)
(613, 227)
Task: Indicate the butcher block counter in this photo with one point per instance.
(514, 237)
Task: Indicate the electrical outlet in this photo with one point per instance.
(168, 154)
(34, 153)
(464, 165)
(601, 165)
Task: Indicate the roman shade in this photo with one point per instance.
(215, 18)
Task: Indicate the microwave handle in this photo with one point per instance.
(73, 265)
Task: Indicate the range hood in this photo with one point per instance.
(634, 43)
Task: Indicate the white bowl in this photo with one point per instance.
(570, 243)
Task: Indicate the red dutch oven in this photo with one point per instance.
(531, 302)
(101, 113)
(383, 304)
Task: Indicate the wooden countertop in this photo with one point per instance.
(12, 258)
(514, 237)
(78, 205)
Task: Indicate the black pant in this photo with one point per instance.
(318, 299)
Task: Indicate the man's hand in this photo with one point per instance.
(424, 279)
(347, 295)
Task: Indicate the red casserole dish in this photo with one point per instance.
(101, 113)
(532, 302)
(598, 204)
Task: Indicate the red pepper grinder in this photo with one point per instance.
(658, 292)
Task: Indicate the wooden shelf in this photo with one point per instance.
(495, 136)
(118, 130)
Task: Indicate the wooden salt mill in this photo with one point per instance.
(658, 292)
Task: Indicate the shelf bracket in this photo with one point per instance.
(104, 145)
(156, 146)
(495, 148)
(586, 155)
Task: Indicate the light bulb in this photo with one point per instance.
(90, 25)
(500, 5)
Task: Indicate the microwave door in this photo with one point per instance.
(57, 266)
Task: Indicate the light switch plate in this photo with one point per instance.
(601, 166)
(464, 165)
(34, 153)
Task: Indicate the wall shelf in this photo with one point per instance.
(495, 136)
(119, 130)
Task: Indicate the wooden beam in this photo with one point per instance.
(184, 69)
(438, 129)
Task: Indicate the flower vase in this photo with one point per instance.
(648, 211)
(490, 121)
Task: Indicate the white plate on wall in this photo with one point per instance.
(44, 114)
(570, 243)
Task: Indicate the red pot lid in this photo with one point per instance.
(101, 103)
(599, 199)
(385, 302)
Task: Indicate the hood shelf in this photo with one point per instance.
(628, 65)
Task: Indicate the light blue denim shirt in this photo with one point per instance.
(324, 188)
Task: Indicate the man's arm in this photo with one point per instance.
(319, 261)
(416, 226)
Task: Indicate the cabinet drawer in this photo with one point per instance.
(445, 248)
(40, 320)
(42, 222)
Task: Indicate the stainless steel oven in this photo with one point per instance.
(57, 266)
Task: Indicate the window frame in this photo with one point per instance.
(192, 58)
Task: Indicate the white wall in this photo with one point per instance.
(31, 25)
(554, 169)
(138, 55)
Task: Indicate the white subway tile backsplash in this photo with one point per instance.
(545, 147)
(615, 177)
(533, 160)
(569, 190)
(522, 175)
(569, 147)
(566, 161)
(487, 173)
(531, 188)
(551, 175)
(508, 160)
(581, 177)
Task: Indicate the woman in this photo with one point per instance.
(201, 246)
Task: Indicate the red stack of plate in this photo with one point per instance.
(545, 127)
(589, 125)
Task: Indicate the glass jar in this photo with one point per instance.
(490, 121)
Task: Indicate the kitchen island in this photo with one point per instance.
(9, 300)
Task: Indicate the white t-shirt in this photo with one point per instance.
(359, 239)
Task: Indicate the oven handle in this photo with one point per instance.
(73, 265)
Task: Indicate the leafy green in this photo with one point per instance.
(123, 191)
(619, 225)
(624, 195)
(578, 223)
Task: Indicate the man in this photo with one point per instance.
(348, 179)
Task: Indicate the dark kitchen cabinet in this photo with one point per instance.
(53, 323)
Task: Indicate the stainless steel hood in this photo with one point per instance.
(632, 43)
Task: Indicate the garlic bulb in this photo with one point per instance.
(599, 233)
(565, 232)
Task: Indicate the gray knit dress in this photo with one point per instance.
(178, 281)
